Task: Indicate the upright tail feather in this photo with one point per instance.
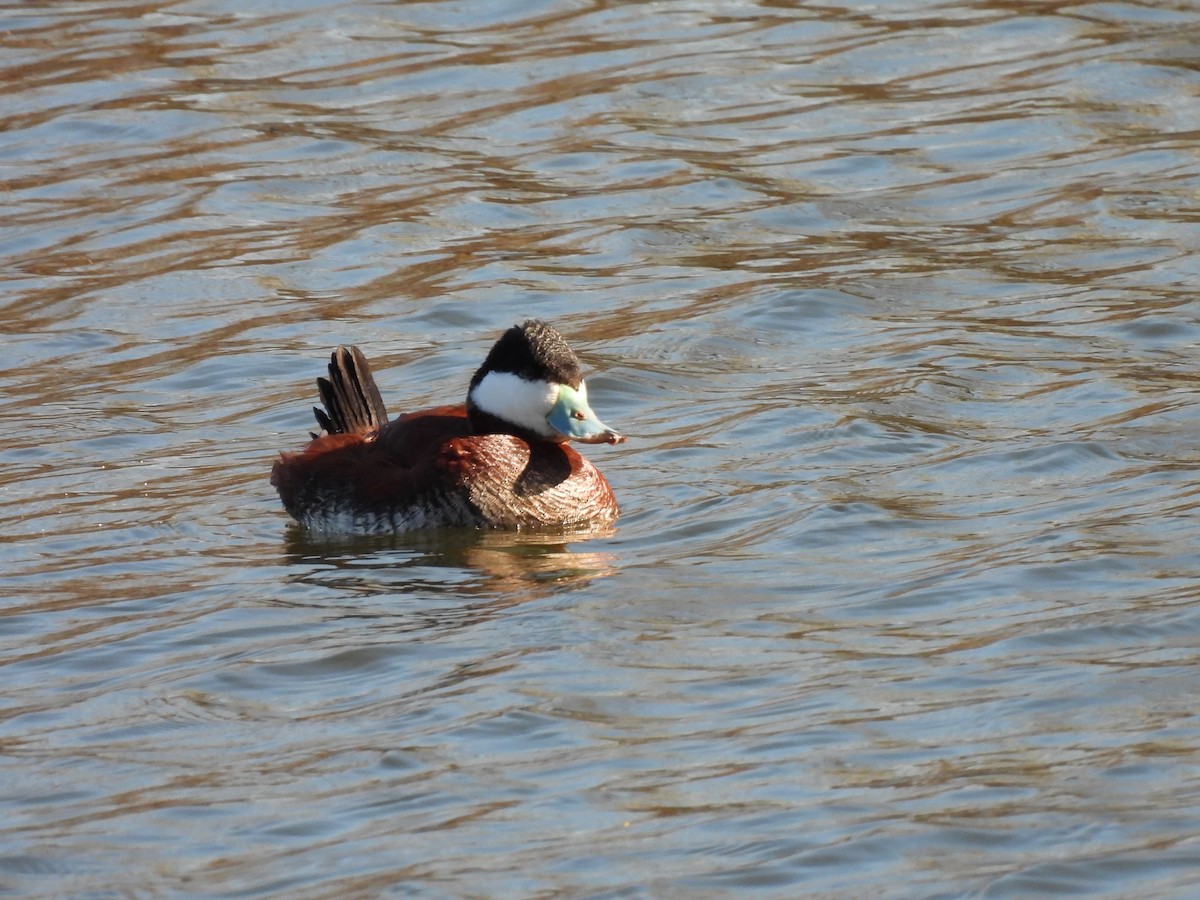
(351, 398)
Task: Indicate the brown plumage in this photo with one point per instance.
(434, 468)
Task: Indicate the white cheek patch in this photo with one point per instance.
(517, 401)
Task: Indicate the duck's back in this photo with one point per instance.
(375, 481)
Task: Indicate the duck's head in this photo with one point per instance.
(531, 385)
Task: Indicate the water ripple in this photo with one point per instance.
(896, 304)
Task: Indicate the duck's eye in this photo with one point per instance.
(578, 415)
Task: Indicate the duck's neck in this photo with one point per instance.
(485, 423)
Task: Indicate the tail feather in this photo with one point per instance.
(352, 401)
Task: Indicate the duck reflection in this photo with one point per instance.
(503, 568)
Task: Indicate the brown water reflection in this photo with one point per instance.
(512, 568)
(896, 303)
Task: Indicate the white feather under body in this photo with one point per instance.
(336, 517)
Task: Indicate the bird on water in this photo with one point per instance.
(502, 459)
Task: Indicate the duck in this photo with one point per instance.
(500, 460)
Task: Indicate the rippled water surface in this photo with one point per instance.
(896, 303)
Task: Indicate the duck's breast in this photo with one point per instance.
(517, 484)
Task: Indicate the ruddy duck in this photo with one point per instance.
(501, 460)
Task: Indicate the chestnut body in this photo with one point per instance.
(426, 470)
(462, 465)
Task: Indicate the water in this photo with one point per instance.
(895, 302)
